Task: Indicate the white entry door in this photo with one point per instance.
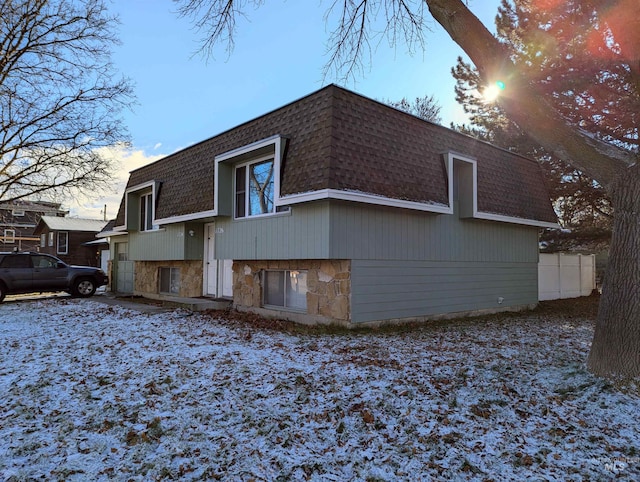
(211, 263)
(227, 278)
(218, 272)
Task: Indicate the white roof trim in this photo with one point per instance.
(186, 217)
(362, 197)
(514, 220)
(450, 156)
(225, 156)
(106, 234)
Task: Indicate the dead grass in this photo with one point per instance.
(585, 308)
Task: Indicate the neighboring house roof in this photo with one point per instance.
(38, 206)
(55, 223)
(108, 230)
(343, 141)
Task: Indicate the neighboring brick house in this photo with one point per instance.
(336, 209)
(66, 238)
(18, 220)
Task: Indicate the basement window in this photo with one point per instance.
(170, 281)
(285, 289)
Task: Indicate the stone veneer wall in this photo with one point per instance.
(328, 285)
(147, 277)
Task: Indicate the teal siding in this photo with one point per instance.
(301, 234)
(194, 241)
(168, 243)
(359, 231)
(383, 290)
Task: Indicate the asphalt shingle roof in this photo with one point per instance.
(340, 140)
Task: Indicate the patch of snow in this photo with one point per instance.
(95, 392)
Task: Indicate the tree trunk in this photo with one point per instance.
(615, 351)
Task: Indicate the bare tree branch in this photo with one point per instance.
(59, 97)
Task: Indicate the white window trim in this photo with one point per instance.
(247, 200)
(52, 239)
(58, 251)
(280, 307)
(9, 236)
(137, 189)
(454, 156)
(43, 240)
(18, 212)
(171, 269)
(142, 226)
(277, 142)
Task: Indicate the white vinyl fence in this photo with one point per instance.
(566, 276)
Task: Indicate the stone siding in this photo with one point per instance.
(328, 285)
(147, 277)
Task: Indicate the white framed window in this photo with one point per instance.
(9, 236)
(63, 242)
(146, 212)
(169, 281)
(51, 238)
(254, 188)
(285, 289)
(43, 240)
(18, 212)
(122, 250)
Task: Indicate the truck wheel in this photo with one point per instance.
(84, 287)
(3, 292)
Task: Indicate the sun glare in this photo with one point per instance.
(491, 93)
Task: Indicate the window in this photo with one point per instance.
(123, 251)
(254, 189)
(287, 289)
(170, 280)
(41, 261)
(9, 236)
(146, 212)
(43, 240)
(18, 212)
(16, 261)
(51, 238)
(63, 242)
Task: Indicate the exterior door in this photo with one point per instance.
(124, 269)
(218, 272)
(227, 278)
(211, 263)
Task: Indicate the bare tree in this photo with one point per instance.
(59, 98)
(608, 32)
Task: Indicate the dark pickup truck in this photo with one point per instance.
(22, 272)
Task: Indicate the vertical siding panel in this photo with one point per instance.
(383, 290)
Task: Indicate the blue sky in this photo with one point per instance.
(279, 55)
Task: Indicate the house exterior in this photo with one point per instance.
(336, 209)
(18, 220)
(67, 238)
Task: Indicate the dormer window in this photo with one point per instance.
(254, 188)
(146, 212)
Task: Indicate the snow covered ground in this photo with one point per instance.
(96, 392)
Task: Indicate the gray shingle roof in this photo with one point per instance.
(57, 223)
(341, 140)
